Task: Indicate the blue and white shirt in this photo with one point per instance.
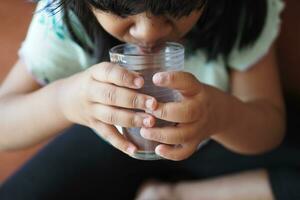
(50, 53)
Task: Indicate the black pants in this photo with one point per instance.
(79, 165)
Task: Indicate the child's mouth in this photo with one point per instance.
(151, 50)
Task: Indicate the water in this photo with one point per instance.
(169, 56)
(146, 148)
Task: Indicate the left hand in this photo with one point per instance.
(195, 115)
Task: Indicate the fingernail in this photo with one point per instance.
(147, 122)
(131, 150)
(143, 133)
(159, 78)
(138, 82)
(150, 104)
(157, 151)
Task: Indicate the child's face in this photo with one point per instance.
(145, 30)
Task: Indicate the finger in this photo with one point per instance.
(175, 152)
(169, 135)
(109, 94)
(186, 111)
(186, 83)
(110, 134)
(125, 118)
(113, 73)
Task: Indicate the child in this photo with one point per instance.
(230, 88)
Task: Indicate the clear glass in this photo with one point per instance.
(168, 57)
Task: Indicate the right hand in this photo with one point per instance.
(98, 98)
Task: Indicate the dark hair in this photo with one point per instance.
(217, 30)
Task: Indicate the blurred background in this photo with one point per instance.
(15, 17)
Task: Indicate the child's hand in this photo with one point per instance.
(98, 98)
(194, 114)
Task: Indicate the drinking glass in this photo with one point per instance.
(167, 57)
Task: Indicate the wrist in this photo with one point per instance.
(63, 99)
(250, 128)
(221, 111)
(228, 113)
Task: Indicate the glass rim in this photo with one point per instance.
(180, 50)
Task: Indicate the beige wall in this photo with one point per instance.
(289, 48)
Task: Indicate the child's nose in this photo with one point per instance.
(150, 30)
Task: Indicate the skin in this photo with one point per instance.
(249, 185)
(255, 105)
(146, 30)
(96, 98)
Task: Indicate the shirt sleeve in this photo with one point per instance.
(243, 59)
(48, 51)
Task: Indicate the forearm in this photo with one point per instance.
(250, 127)
(27, 119)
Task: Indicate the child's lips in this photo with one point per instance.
(150, 50)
